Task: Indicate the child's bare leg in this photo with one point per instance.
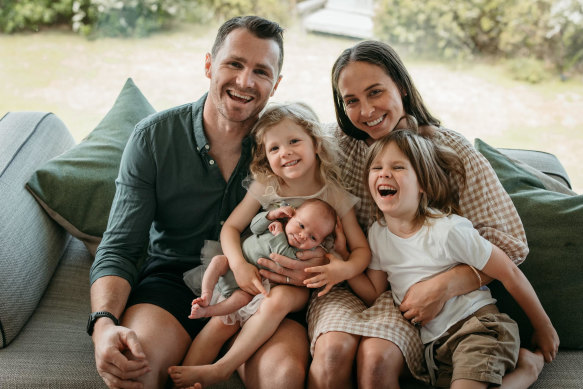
(256, 331)
(219, 266)
(468, 384)
(203, 350)
(237, 300)
(529, 366)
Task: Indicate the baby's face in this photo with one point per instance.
(308, 227)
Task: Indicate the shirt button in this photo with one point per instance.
(212, 162)
(206, 147)
(222, 222)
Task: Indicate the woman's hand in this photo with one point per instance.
(284, 270)
(328, 275)
(423, 301)
(249, 279)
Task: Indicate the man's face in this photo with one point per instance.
(244, 75)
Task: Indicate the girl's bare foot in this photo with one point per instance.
(529, 366)
(196, 376)
(197, 311)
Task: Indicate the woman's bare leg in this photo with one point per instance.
(379, 364)
(282, 362)
(334, 355)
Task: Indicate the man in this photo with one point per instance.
(180, 177)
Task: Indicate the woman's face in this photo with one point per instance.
(372, 100)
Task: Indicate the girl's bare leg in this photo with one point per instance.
(204, 350)
(379, 364)
(256, 331)
(468, 384)
(333, 359)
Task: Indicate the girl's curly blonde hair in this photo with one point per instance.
(327, 150)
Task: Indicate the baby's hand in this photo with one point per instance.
(547, 340)
(275, 228)
(329, 275)
(284, 212)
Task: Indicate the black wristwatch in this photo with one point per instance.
(96, 315)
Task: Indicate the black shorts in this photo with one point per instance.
(169, 292)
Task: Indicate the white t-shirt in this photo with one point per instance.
(438, 246)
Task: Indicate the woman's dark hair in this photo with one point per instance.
(258, 26)
(382, 55)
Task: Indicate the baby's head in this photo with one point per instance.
(303, 116)
(311, 223)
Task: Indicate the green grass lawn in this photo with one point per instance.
(79, 79)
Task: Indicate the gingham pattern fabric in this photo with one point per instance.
(483, 201)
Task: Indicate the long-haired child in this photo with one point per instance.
(417, 235)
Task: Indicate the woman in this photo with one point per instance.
(373, 95)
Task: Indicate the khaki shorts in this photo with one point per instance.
(481, 347)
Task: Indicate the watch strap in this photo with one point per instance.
(99, 314)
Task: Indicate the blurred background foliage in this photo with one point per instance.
(535, 37)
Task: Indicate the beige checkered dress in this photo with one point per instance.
(483, 201)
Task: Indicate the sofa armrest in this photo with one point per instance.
(31, 243)
(541, 161)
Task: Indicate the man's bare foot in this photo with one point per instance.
(196, 312)
(204, 300)
(196, 376)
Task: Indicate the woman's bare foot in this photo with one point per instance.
(197, 311)
(193, 376)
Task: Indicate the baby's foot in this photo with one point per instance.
(196, 312)
(195, 376)
(204, 300)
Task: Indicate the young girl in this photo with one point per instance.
(293, 161)
(417, 235)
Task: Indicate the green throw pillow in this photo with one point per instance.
(554, 228)
(77, 188)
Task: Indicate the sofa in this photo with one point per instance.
(44, 269)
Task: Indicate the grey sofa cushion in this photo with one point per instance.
(31, 243)
(53, 350)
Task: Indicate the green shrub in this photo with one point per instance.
(277, 10)
(31, 15)
(530, 70)
(548, 30)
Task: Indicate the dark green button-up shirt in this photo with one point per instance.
(170, 196)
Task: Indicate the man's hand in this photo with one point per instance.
(423, 301)
(328, 275)
(284, 270)
(119, 357)
(249, 279)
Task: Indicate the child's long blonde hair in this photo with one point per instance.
(327, 150)
(436, 167)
